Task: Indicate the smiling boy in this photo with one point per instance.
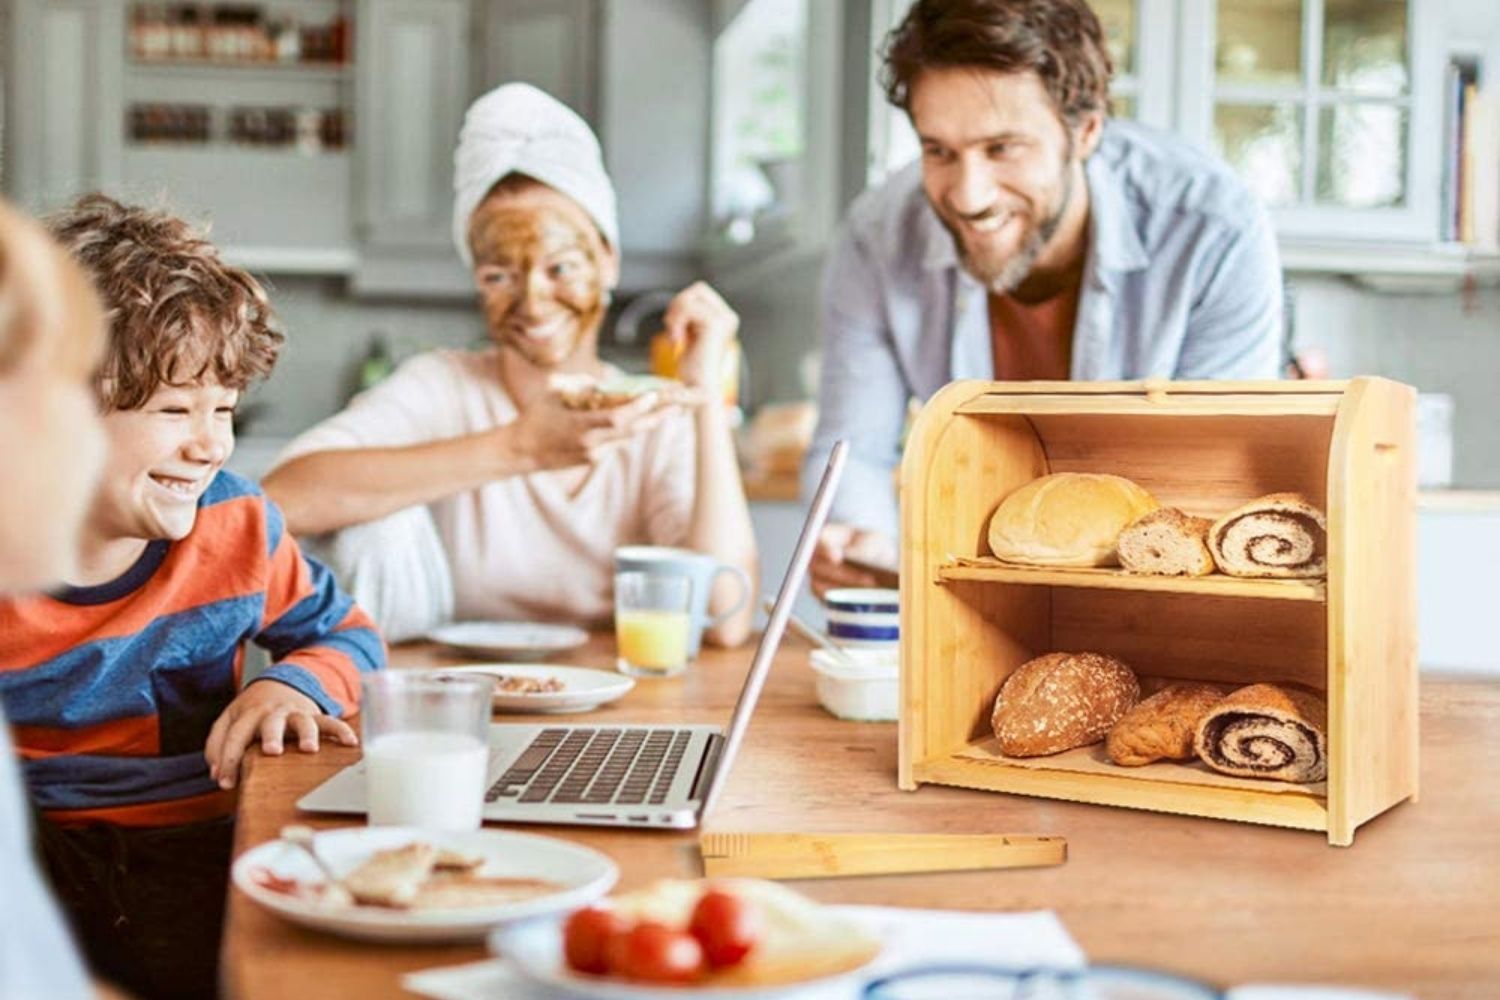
(124, 687)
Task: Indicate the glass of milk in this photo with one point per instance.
(426, 748)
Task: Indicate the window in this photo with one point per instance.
(759, 116)
(1313, 100)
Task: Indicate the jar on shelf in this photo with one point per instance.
(187, 32)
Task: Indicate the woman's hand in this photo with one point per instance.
(548, 435)
(702, 325)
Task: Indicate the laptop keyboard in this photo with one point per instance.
(595, 767)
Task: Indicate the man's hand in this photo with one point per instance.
(549, 435)
(267, 710)
(838, 542)
(701, 323)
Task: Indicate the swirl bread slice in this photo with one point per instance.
(1277, 535)
(1266, 731)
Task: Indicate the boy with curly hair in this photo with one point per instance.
(124, 687)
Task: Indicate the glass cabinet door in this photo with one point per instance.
(1313, 102)
(1119, 19)
(759, 113)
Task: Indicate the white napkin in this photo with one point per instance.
(912, 937)
(1270, 991)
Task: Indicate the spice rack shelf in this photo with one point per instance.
(969, 620)
(219, 67)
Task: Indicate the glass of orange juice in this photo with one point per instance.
(652, 613)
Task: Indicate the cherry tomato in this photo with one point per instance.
(586, 938)
(727, 926)
(653, 952)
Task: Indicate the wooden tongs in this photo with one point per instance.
(832, 855)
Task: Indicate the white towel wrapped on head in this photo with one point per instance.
(518, 129)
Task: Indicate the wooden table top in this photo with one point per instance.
(1414, 905)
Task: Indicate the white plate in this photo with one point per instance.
(534, 949)
(509, 640)
(583, 688)
(584, 873)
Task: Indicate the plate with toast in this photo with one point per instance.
(509, 640)
(412, 885)
(543, 687)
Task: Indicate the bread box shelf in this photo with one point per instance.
(1217, 584)
(969, 620)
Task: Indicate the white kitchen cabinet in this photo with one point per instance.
(65, 65)
(78, 90)
(413, 84)
(551, 44)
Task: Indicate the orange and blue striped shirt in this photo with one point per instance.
(111, 689)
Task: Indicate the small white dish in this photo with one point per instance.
(582, 873)
(865, 685)
(584, 688)
(534, 949)
(509, 640)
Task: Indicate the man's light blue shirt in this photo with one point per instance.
(1182, 280)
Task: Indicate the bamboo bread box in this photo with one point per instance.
(968, 621)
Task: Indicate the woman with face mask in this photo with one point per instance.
(463, 486)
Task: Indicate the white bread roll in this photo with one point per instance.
(1067, 519)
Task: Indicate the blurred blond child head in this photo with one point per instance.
(51, 443)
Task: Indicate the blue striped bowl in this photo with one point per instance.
(864, 600)
(864, 618)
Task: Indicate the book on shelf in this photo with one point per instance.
(1472, 167)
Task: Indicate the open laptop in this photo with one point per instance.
(620, 775)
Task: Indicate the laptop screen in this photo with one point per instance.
(770, 639)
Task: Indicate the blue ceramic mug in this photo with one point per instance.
(702, 569)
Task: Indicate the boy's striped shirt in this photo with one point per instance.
(111, 690)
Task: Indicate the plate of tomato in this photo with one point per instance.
(740, 938)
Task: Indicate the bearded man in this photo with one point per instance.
(1035, 239)
(463, 486)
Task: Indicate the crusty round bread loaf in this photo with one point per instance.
(1167, 542)
(1067, 519)
(1161, 727)
(1061, 701)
